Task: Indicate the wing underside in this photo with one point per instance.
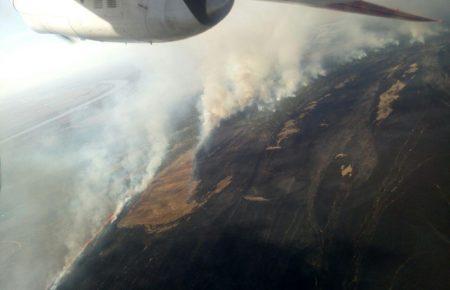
(363, 7)
(360, 7)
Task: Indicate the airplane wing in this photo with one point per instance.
(360, 7)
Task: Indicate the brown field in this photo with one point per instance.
(167, 198)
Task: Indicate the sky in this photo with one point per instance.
(261, 53)
(15, 40)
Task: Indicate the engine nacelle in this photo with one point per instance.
(123, 20)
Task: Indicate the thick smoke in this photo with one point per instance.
(267, 51)
(65, 180)
(62, 182)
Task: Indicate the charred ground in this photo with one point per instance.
(345, 186)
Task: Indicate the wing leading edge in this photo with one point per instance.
(360, 7)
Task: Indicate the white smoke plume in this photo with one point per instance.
(63, 181)
(266, 51)
(61, 185)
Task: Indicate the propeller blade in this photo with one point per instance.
(66, 38)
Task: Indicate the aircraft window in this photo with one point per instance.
(98, 4)
(111, 3)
